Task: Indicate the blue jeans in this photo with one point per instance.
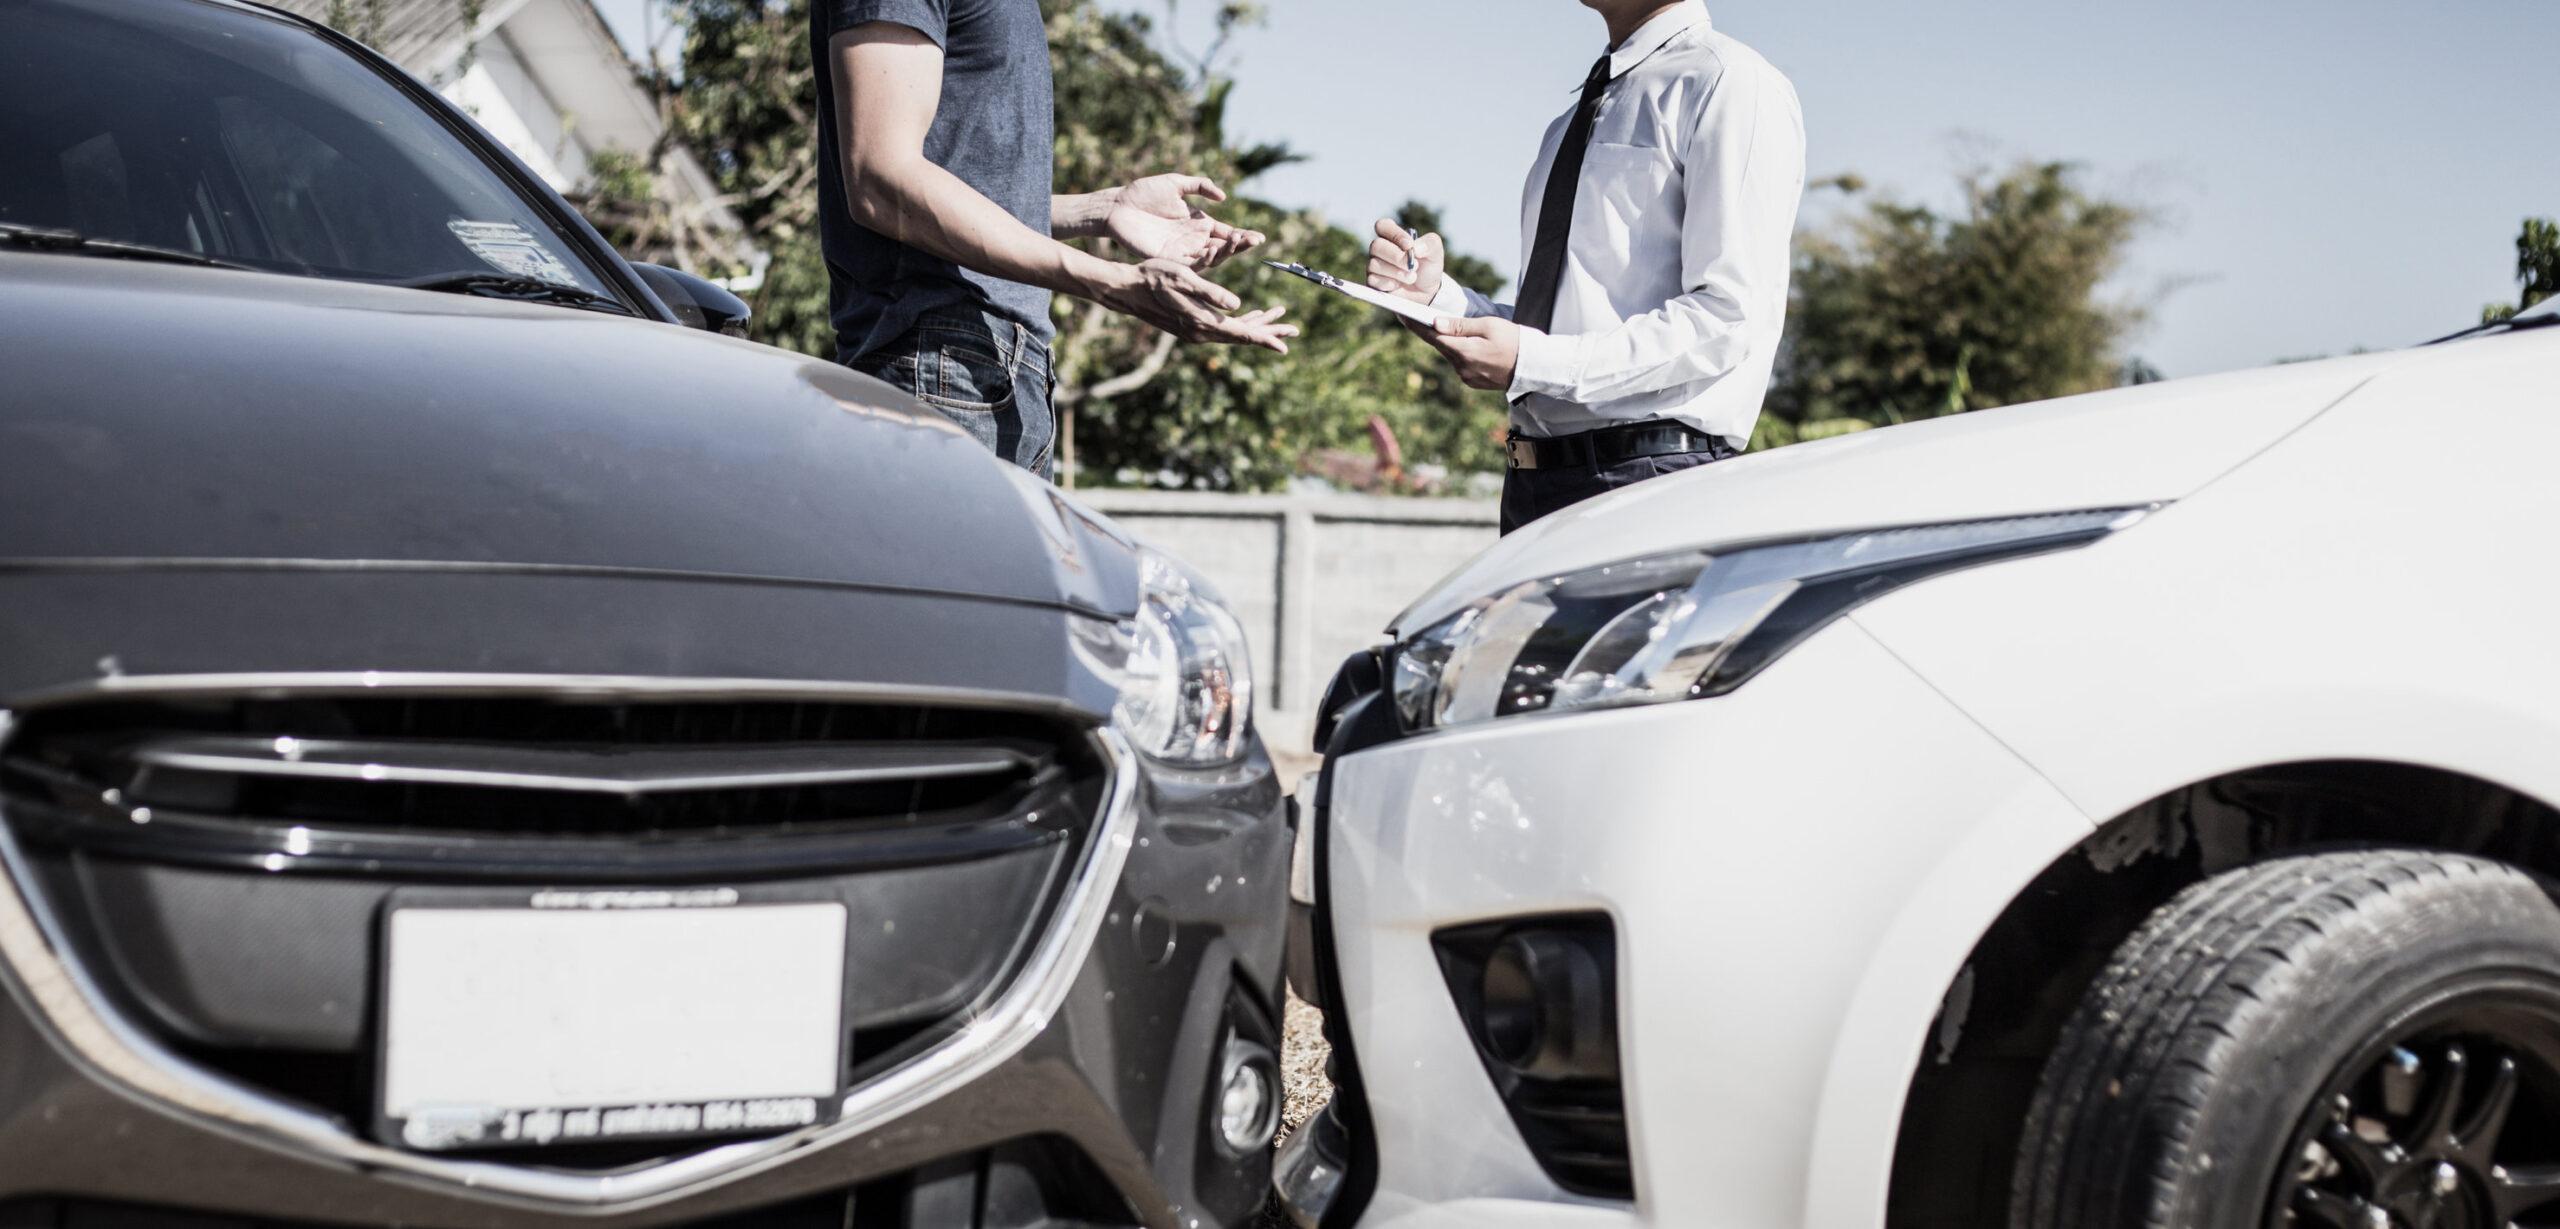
(983, 371)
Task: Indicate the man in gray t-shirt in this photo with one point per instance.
(942, 235)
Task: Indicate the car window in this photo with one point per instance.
(239, 136)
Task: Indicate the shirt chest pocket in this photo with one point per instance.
(1626, 192)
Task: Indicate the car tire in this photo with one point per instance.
(2308, 1041)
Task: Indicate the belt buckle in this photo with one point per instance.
(1521, 451)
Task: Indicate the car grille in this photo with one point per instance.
(220, 863)
(499, 788)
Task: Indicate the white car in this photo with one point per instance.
(2129, 810)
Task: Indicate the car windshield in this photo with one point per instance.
(244, 139)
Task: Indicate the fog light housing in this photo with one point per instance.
(1539, 998)
(1247, 1111)
(1548, 1010)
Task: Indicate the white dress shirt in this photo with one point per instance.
(1675, 280)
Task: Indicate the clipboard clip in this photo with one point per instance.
(1318, 276)
(1415, 312)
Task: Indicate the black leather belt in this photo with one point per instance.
(1610, 445)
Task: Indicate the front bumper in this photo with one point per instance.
(1795, 872)
(1103, 1049)
(1082, 1093)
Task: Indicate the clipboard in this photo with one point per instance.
(1407, 308)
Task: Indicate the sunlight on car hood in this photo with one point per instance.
(2121, 447)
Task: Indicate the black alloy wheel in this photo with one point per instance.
(2445, 1123)
(2362, 1040)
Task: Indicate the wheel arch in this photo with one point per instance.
(1998, 1016)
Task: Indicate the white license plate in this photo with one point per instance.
(609, 1015)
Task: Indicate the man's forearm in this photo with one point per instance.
(1698, 336)
(1081, 215)
(924, 206)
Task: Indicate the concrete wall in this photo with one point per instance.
(1312, 577)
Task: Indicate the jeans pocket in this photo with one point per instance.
(963, 374)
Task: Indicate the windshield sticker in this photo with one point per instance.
(509, 248)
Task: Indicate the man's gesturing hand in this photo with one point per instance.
(1154, 217)
(1484, 349)
(1405, 266)
(1171, 296)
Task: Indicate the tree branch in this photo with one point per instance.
(1073, 350)
(1133, 379)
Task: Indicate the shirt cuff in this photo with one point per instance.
(1451, 298)
(1548, 365)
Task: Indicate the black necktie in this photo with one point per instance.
(1537, 308)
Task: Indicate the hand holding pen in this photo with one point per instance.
(1403, 265)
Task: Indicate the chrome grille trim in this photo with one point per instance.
(45, 974)
(630, 773)
(566, 686)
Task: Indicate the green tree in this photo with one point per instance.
(2537, 268)
(1136, 407)
(360, 20)
(1248, 420)
(364, 21)
(1905, 313)
(744, 104)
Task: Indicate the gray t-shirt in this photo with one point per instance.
(994, 129)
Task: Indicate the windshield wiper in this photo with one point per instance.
(53, 239)
(2512, 324)
(511, 286)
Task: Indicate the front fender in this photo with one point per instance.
(1887, 1032)
(1796, 872)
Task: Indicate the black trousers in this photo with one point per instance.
(1528, 494)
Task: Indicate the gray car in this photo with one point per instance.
(477, 752)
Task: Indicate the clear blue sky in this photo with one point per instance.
(2329, 174)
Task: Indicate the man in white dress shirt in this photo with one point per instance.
(1654, 287)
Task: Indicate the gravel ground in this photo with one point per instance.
(1302, 1047)
(1302, 1055)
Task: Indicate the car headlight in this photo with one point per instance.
(1689, 624)
(1185, 681)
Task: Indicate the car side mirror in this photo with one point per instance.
(696, 302)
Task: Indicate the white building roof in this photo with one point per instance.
(544, 77)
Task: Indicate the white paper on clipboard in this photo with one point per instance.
(1407, 308)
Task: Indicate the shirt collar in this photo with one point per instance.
(1650, 36)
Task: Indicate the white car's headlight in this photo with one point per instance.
(1186, 683)
(1680, 626)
